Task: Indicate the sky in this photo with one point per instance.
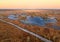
(30, 4)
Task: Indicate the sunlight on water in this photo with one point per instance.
(12, 17)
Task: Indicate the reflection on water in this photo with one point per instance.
(38, 20)
(51, 20)
(13, 17)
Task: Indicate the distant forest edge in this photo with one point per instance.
(27, 9)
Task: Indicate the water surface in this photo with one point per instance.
(13, 17)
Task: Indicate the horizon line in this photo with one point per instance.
(29, 8)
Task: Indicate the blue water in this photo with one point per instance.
(38, 21)
(51, 21)
(56, 27)
(12, 17)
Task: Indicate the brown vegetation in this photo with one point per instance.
(9, 33)
(16, 35)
